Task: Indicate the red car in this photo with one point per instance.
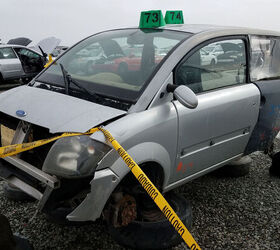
(128, 60)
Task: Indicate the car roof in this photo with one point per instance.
(11, 45)
(198, 28)
(18, 46)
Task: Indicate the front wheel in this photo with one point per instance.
(154, 234)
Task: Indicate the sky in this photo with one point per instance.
(73, 20)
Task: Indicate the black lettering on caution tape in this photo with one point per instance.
(148, 186)
(193, 247)
(27, 145)
(107, 135)
(10, 149)
(67, 133)
(18, 148)
(129, 162)
(172, 218)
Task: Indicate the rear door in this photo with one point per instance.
(9, 63)
(265, 73)
(228, 105)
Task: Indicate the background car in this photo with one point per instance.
(85, 59)
(232, 53)
(207, 58)
(214, 49)
(122, 60)
(58, 51)
(20, 62)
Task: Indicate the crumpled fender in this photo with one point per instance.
(106, 180)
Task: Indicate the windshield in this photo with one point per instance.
(115, 64)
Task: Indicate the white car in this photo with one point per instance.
(207, 58)
(214, 49)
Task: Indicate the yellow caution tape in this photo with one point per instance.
(153, 192)
(18, 148)
(143, 179)
(50, 60)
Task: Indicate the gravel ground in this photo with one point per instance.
(229, 213)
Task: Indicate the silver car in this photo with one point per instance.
(19, 62)
(178, 118)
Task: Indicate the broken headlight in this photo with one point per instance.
(75, 156)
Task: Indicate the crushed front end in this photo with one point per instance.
(60, 175)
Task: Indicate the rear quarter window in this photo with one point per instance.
(265, 58)
(7, 53)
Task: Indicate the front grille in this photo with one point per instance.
(35, 156)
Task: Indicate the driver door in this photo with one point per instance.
(31, 61)
(219, 128)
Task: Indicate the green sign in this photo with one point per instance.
(151, 19)
(174, 17)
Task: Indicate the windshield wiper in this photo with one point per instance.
(65, 78)
(68, 80)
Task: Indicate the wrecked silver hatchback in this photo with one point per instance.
(183, 100)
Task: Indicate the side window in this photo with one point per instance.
(7, 53)
(265, 58)
(214, 66)
(28, 53)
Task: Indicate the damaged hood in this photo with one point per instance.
(47, 45)
(55, 111)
